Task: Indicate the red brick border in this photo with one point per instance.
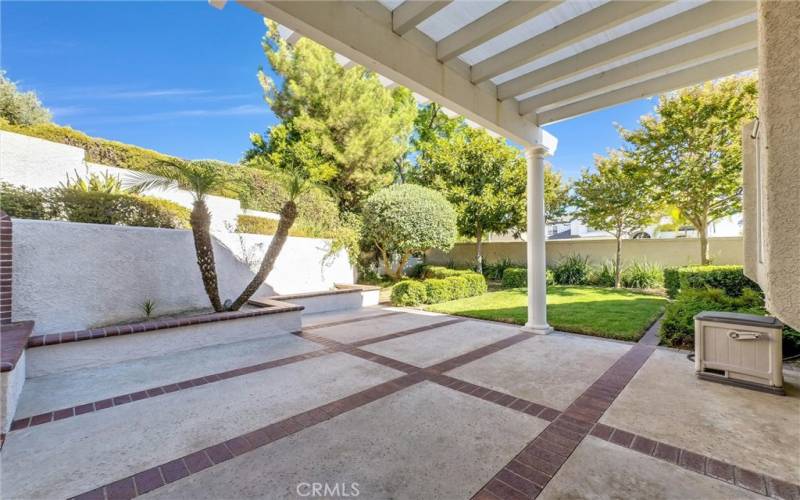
(352, 320)
(330, 347)
(149, 326)
(701, 464)
(6, 268)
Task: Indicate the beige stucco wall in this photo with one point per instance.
(778, 273)
(667, 252)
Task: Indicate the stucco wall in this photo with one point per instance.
(70, 276)
(778, 273)
(37, 163)
(667, 252)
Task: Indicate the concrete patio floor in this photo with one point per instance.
(400, 404)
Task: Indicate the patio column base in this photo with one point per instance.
(537, 329)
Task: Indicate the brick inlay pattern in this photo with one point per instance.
(701, 464)
(492, 396)
(531, 470)
(153, 392)
(13, 337)
(6, 268)
(168, 472)
(149, 326)
(352, 320)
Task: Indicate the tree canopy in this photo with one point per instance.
(404, 219)
(20, 108)
(693, 152)
(340, 124)
(616, 198)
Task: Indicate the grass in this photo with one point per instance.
(603, 312)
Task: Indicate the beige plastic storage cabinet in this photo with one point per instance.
(739, 349)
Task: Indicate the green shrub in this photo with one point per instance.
(677, 326)
(441, 272)
(495, 270)
(459, 288)
(94, 207)
(23, 203)
(572, 270)
(438, 290)
(602, 275)
(416, 270)
(23, 108)
(515, 277)
(642, 275)
(409, 293)
(476, 284)
(731, 279)
(671, 281)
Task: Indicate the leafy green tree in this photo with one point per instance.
(405, 219)
(556, 195)
(345, 127)
(430, 124)
(616, 198)
(485, 180)
(201, 178)
(20, 108)
(692, 148)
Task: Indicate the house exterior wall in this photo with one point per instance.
(71, 276)
(773, 235)
(667, 252)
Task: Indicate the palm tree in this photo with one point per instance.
(200, 177)
(296, 183)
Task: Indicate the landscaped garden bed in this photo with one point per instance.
(603, 312)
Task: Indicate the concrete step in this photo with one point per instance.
(72, 388)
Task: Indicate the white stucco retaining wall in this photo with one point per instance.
(11, 383)
(71, 276)
(37, 163)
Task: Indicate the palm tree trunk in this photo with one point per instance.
(288, 215)
(200, 221)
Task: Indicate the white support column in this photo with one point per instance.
(537, 285)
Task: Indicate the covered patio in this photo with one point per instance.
(388, 403)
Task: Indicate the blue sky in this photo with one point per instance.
(180, 77)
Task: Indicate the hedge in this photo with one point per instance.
(434, 290)
(672, 281)
(517, 277)
(261, 190)
(95, 207)
(731, 279)
(677, 326)
(440, 272)
(409, 293)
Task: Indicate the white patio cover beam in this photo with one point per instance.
(673, 28)
(579, 28)
(509, 15)
(720, 44)
(410, 13)
(364, 34)
(718, 68)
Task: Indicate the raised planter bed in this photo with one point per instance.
(13, 337)
(342, 298)
(59, 352)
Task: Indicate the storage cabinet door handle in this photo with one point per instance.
(743, 335)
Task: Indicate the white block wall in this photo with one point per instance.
(37, 163)
(70, 276)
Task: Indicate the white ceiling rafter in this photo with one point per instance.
(412, 12)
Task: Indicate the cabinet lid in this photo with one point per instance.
(740, 319)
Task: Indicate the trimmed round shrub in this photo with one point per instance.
(572, 270)
(405, 219)
(642, 275)
(459, 287)
(476, 284)
(409, 293)
(438, 290)
(515, 277)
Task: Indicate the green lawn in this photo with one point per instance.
(604, 312)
